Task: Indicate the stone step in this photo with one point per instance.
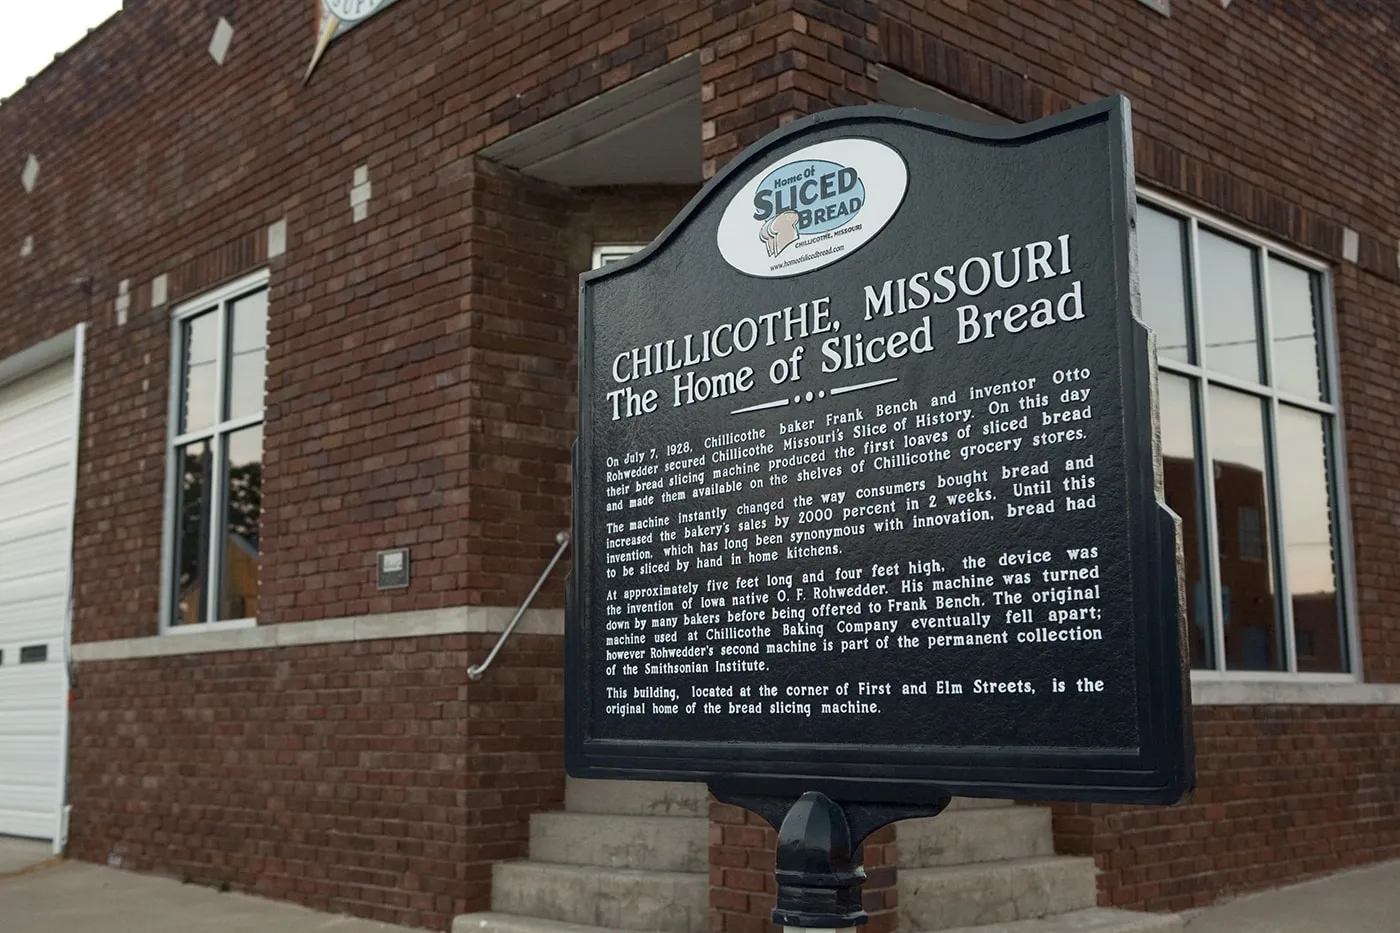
(994, 892)
(491, 922)
(961, 837)
(638, 798)
(979, 803)
(652, 843)
(617, 898)
(1097, 920)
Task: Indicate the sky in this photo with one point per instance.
(34, 32)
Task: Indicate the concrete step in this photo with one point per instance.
(638, 798)
(617, 898)
(961, 837)
(979, 803)
(651, 843)
(1097, 920)
(491, 922)
(994, 892)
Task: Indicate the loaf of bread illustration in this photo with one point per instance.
(779, 232)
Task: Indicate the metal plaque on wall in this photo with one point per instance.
(867, 494)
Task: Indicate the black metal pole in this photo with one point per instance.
(819, 879)
(819, 882)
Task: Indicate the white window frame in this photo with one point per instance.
(217, 301)
(1333, 414)
(604, 253)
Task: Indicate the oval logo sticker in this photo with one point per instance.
(812, 207)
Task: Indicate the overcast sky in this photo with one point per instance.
(34, 32)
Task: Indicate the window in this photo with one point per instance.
(215, 488)
(1250, 444)
(603, 255)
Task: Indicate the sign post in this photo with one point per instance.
(868, 501)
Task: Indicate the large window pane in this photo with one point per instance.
(199, 393)
(248, 355)
(1309, 540)
(1293, 302)
(1162, 281)
(195, 467)
(1181, 478)
(1253, 639)
(1229, 317)
(243, 509)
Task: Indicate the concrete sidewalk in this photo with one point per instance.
(17, 855)
(74, 897)
(1366, 900)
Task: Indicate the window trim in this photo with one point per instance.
(1334, 408)
(617, 252)
(216, 297)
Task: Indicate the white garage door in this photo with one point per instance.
(36, 483)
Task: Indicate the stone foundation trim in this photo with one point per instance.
(457, 620)
(1292, 693)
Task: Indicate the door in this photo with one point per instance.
(37, 424)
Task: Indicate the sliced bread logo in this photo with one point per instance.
(812, 208)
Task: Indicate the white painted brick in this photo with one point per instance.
(223, 37)
(123, 303)
(30, 176)
(160, 288)
(277, 239)
(26, 248)
(360, 194)
(1351, 245)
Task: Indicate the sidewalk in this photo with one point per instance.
(74, 897)
(1366, 900)
(18, 855)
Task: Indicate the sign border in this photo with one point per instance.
(1159, 771)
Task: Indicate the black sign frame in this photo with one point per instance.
(1160, 771)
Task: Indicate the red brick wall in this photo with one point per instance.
(772, 62)
(529, 242)
(1283, 792)
(1269, 93)
(401, 345)
(385, 335)
(362, 777)
(1230, 115)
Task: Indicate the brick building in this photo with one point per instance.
(255, 332)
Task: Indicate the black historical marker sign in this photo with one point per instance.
(867, 495)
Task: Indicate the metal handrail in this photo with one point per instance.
(478, 671)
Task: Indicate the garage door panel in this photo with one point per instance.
(36, 476)
(27, 588)
(38, 620)
(30, 494)
(31, 710)
(22, 462)
(40, 552)
(34, 400)
(26, 824)
(32, 729)
(34, 425)
(21, 685)
(17, 529)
